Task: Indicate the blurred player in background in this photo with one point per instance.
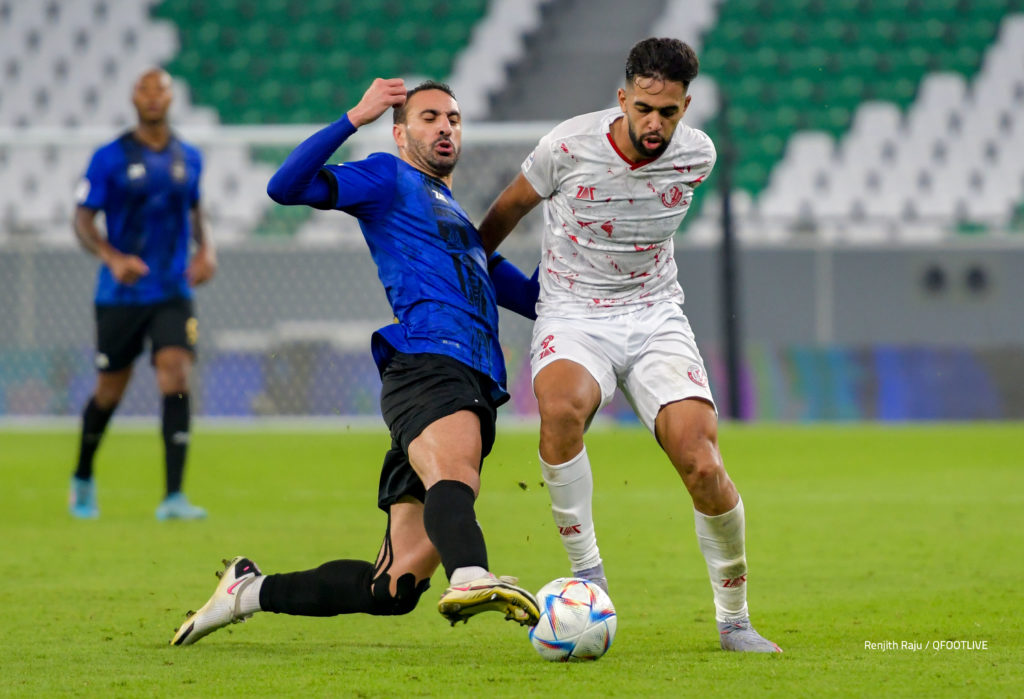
(616, 185)
(147, 184)
(441, 366)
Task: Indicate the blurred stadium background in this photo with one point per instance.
(877, 187)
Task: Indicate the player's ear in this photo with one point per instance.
(398, 132)
(622, 100)
(686, 105)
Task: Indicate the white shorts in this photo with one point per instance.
(650, 354)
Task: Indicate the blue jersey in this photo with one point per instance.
(430, 259)
(147, 197)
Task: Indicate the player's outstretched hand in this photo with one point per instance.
(382, 94)
(127, 269)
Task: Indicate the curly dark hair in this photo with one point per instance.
(400, 112)
(662, 59)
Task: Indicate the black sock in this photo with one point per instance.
(176, 419)
(338, 587)
(94, 424)
(450, 521)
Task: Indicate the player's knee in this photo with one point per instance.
(564, 412)
(699, 462)
(405, 598)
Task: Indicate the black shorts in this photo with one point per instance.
(419, 389)
(121, 331)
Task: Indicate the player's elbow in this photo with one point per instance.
(279, 191)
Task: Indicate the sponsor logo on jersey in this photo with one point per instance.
(136, 171)
(178, 171)
(697, 375)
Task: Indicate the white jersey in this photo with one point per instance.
(609, 222)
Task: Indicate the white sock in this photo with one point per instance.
(721, 539)
(571, 488)
(250, 600)
(466, 573)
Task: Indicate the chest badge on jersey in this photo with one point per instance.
(136, 171)
(178, 171)
(673, 196)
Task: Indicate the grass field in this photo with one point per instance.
(855, 534)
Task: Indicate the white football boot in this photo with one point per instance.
(223, 607)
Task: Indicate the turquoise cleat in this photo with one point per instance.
(82, 500)
(177, 506)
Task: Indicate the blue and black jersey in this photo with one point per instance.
(147, 197)
(429, 256)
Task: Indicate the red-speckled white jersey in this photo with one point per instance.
(609, 222)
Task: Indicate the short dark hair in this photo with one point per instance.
(400, 113)
(662, 59)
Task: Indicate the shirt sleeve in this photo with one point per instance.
(364, 188)
(194, 191)
(539, 168)
(91, 191)
(703, 168)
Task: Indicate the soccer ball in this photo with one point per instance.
(577, 621)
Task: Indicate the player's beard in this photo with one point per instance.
(438, 166)
(638, 142)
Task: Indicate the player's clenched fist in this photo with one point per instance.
(382, 94)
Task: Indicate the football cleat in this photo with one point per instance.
(489, 594)
(177, 506)
(223, 607)
(82, 499)
(740, 636)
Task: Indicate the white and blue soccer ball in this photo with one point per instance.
(577, 621)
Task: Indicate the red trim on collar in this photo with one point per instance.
(633, 165)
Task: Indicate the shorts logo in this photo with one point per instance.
(102, 361)
(192, 330)
(697, 375)
(546, 347)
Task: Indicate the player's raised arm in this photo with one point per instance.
(296, 181)
(508, 209)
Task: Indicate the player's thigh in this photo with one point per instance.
(668, 368)
(569, 358)
(110, 387)
(173, 324)
(441, 415)
(407, 548)
(449, 449)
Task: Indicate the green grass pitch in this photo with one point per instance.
(855, 535)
